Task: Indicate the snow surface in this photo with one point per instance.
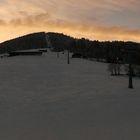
(43, 98)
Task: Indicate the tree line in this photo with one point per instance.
(108, 51)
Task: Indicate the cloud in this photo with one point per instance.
(30, 20)
(2, 22)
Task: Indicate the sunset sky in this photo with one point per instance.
(93, 19)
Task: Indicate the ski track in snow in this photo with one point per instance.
(42, 97)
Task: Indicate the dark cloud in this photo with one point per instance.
(30, 20)
(2, 22)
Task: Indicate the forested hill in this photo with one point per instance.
(30, 41)
(109, 51)
(59, 41)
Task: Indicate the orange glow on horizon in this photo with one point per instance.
(93, 33)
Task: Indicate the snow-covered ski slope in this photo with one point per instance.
(44, 98)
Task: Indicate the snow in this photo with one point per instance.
(42, 97)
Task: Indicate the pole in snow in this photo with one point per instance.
(130, 77)
(68, 58)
